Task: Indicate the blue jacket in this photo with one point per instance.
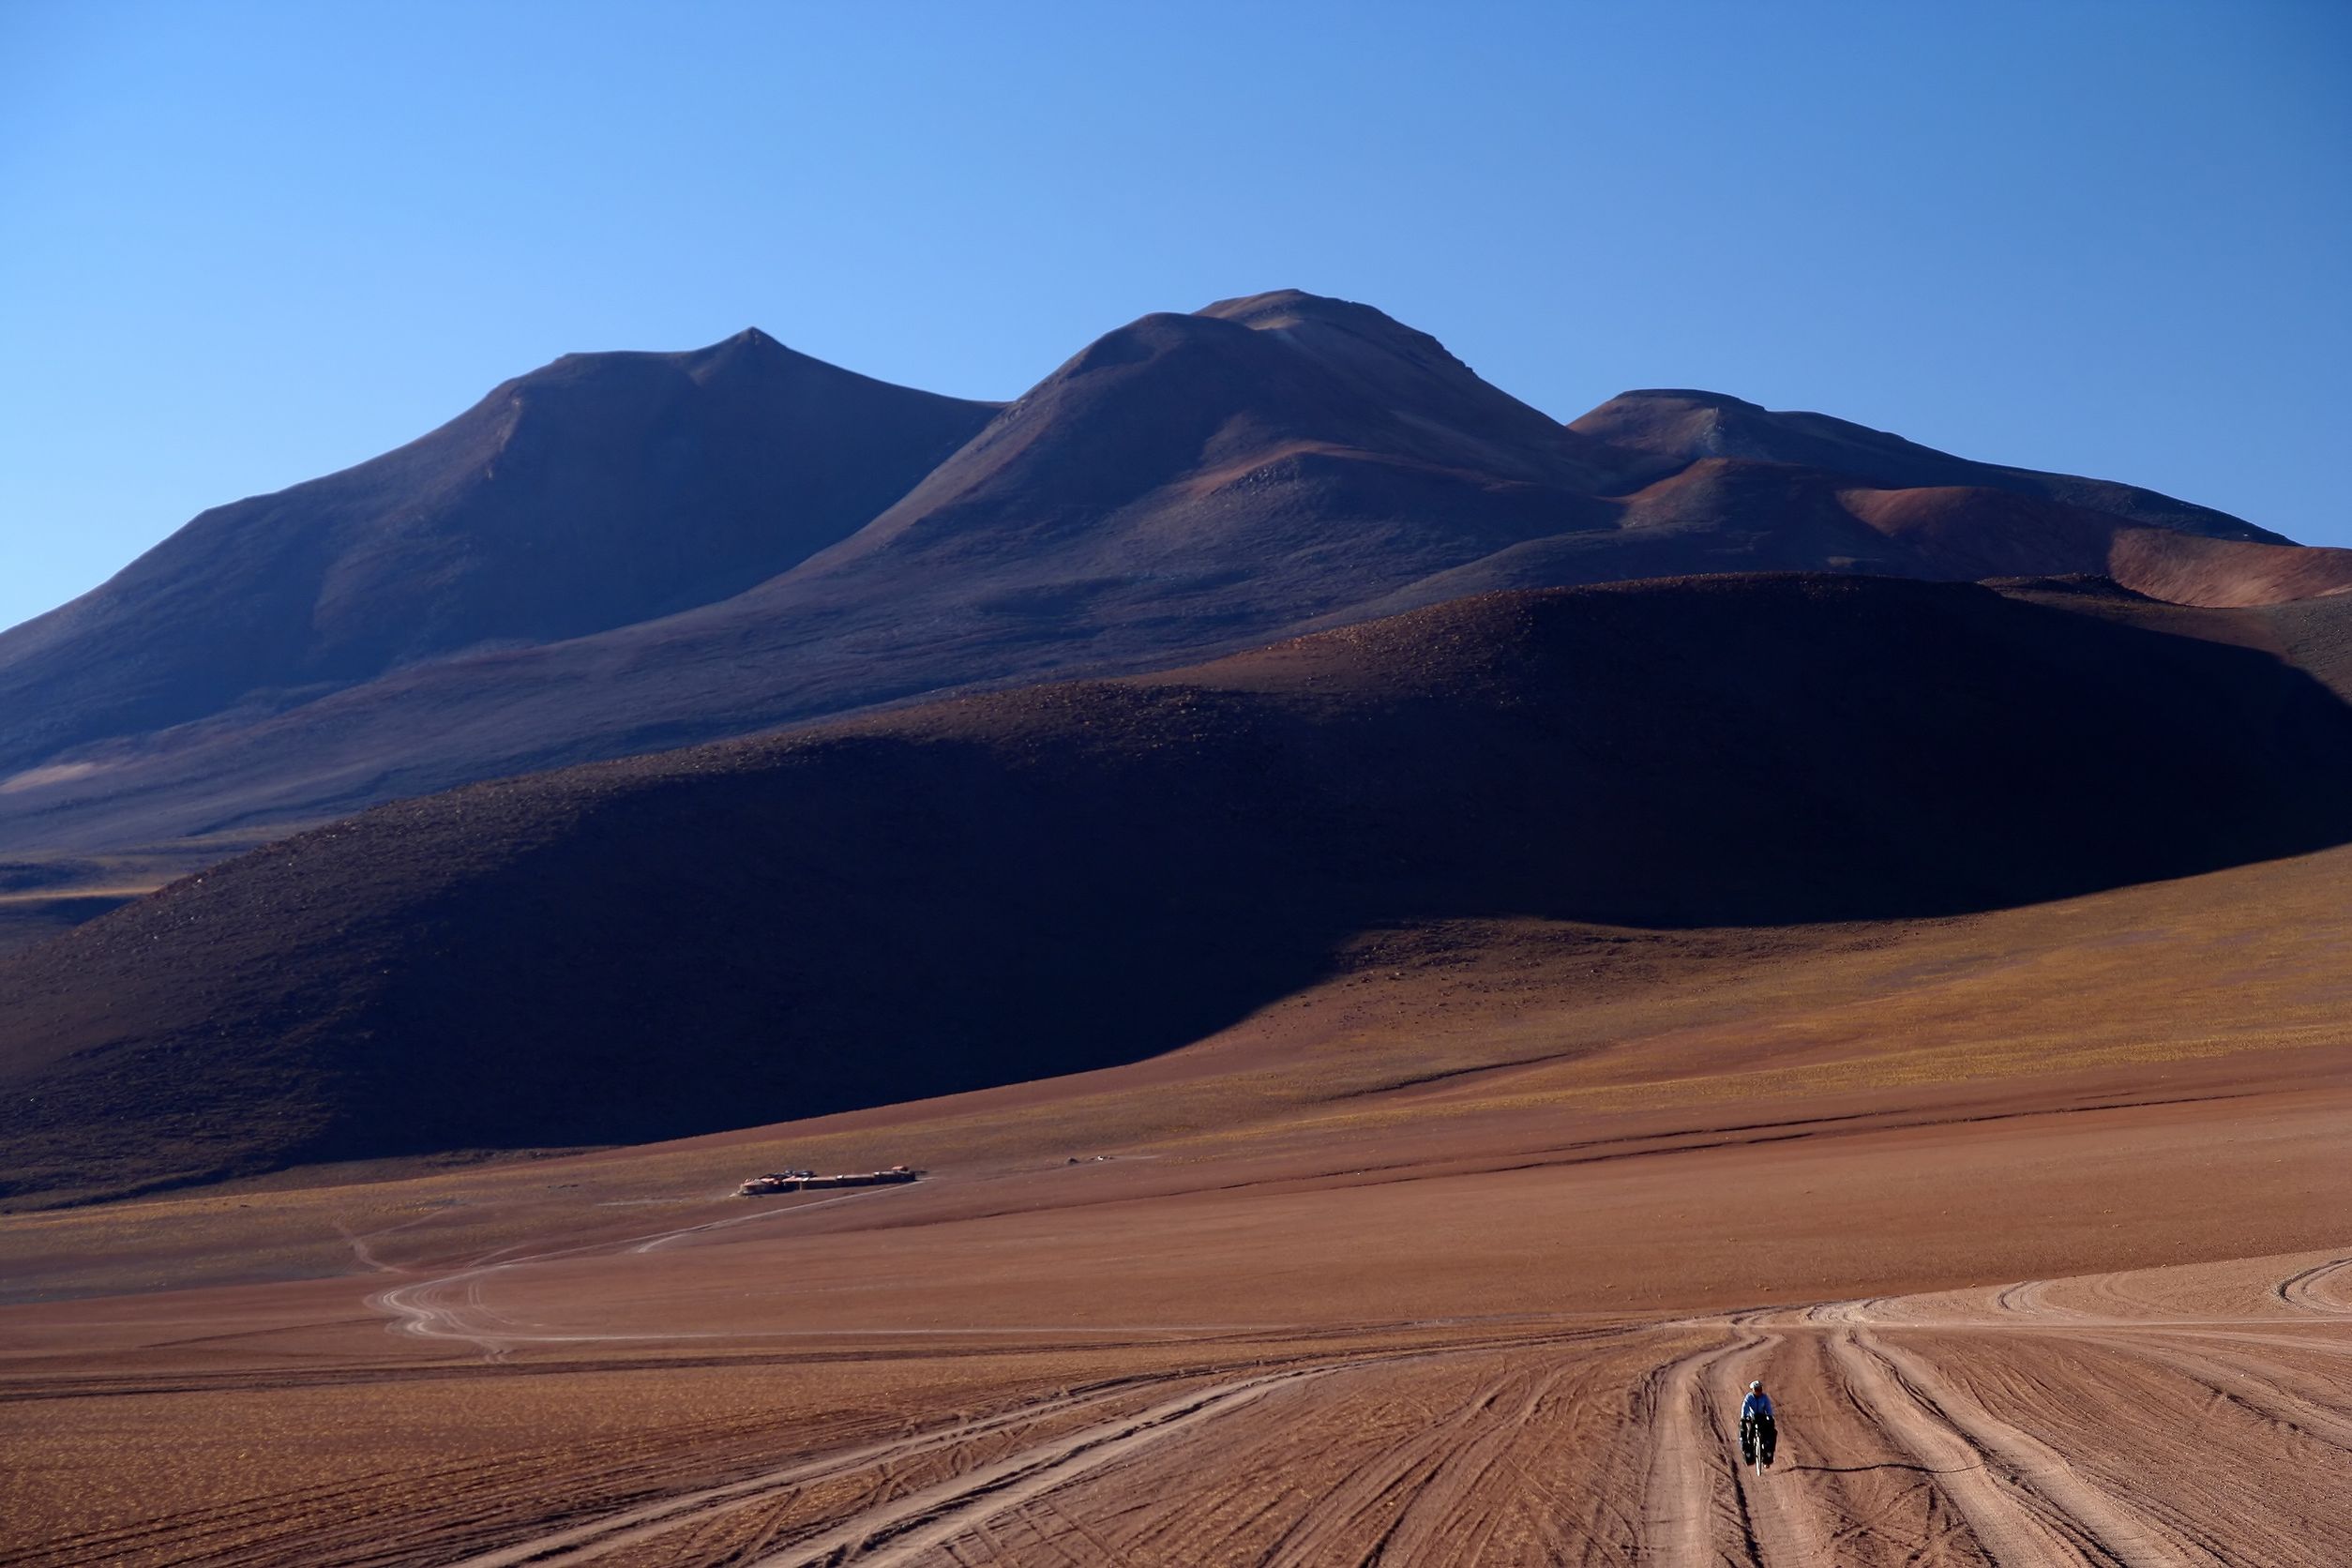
(1756, 1403)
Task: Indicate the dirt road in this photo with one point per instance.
(2198, 1416)
(2167, 1418)
(2109, 1419)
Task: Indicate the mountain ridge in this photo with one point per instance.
(429, 550)
(1185, 485)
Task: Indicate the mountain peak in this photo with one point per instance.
(752, 344)
(749, 347)
(1277, 305)
(1290, 310)
(1686, 395)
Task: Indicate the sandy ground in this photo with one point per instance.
(2033, 1224)
(2196, 1414)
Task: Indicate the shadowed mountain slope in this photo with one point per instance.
(1187, 485)
(1038, 882)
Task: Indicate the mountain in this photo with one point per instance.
(1041, 880)
(601, 490)
(1186, 486)
(1674, 429)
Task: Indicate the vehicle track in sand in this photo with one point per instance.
(897, 1532)
(1689, 1507)
(630, 1527)
(2019, 1506)
(455, 1305)
(2225, 1372)
(2107, 1420)
(1442, 1467)
(900, 1519)
(2304, 1289)
(1793, 1515)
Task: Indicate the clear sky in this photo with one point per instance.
(243, 245)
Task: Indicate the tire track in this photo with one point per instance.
(633, 1526)
(1420, 1485)
(893, 1533)
(2302, 1289)
(343, 1522)
(1379, 1486)
(2031, 1299)
(1689, 1504)
(2096, 1526)
(2121, 1435)
(1453, 1513)
(452, 1305)
(2009, 1520)
(1793, 1518)
(1914, 1522)
(2228, 1376)
(2204, 1428)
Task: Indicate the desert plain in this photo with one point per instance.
(1417, 949)
(2033, 1222)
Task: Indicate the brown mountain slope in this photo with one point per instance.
(595, 492)
(1670, 429)
(2189, 570)
(1186, 486)
(1978, 532)
(1044, 881)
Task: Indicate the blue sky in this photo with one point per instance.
(243, 245)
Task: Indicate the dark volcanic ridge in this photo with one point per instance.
(1067, 875)
(620, 554)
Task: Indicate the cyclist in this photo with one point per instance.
(1757, 1438)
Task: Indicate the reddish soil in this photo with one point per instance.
(1461, 1255)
